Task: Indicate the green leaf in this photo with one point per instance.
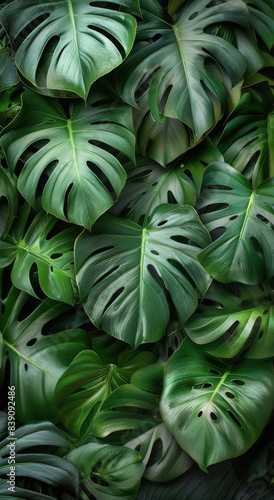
(235, 318)
(68, 163)
(35, 357)
(8, 75)
(179, 69)
(88, 381)
(108, 472)
(262, 18)
(36, 459)
(9, 200)
(10, 104)
(125, 272)
(64, 47)
(40, 243)
(163, 457)
(248, 137)
(240, 220)
(219, 404)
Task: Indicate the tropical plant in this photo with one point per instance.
(136, 249)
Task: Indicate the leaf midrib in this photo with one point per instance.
(49, 261)
(29, 360)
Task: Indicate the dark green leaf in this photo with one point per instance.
(9, 199)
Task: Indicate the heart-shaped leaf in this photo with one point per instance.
(38, 248)
(125, 272)
(33, 357)
(66, 48)
(88, 381)
(108, 471)
(242, 220)
(67, 161)
(219, 404)
(234, 318)
(178, 68)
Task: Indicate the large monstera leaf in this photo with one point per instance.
(234, 318)
(241, 221)
(67, 159)
(33, 357)
(183, 70)
(219, 404)
(36, 248)
(62, 47)
(127, 274)
(37, 462)
(107, 472)
(248, 137)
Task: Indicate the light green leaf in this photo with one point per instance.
(34, 461)
(108, 472)
(50, 254)
(63, 47)
(178, 68)
(248, 136)
(240, 220)
(234, 318)
(214, 409)
(88, 381)
(35, 356)
(125, 272)
(69, 164)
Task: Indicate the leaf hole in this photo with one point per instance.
(113, 298)
(31, 342)
(204, 385)
(45, 60)
(56, 256)
(156, 452)
(66, 200)
(29, 29)
(192, 16)
(234, 418)
(260, 335)
(230, 395)
(246, 303)
(162, 222)
(217, 232)
(105, 275)
(156, 37)
(200, 413)
(266, 311)
(179, 239)
(233, 217)
(26, 367)
(232, 329)
(213, 416)
(101, 250)
(213, 371)
(154, 252)
(256, 245)
(183, 271)
(238, 382)
(171, 198)
(103, 34)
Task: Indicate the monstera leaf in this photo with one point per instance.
(125, 272)
(149, 185)
(35, 357)
(219, 404)
(262, 18)
(68, 163)
(88, 381)
(247, 138)
(178, 68)
(107, 471)
(9, 200)
(34, 462)
(242, 220)
(63, 47)
(234, 318)
(52, 256)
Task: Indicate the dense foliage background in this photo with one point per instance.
(137, 248)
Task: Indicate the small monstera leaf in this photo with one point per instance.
(68, 169)
(179, 69)
(149, 185)
(38, 248)
(125, 272)
(214, 409)
(34, 463)
(88, 381)
(248, 137)
(234, 318)
(241, 221)
(63, 47)
(9, 201)
(107, 472)
(33, 357)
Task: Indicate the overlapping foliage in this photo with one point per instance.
(136, 247)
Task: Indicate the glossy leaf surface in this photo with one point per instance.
(241, 221)
(219, 404)
(67, 45)
(124, 272)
